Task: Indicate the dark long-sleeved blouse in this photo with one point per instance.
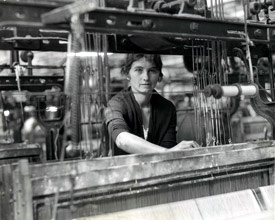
(123, 113)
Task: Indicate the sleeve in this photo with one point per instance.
(114, 118)
(169, 139)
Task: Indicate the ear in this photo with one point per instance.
(160, 78)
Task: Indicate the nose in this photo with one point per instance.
(145, 75)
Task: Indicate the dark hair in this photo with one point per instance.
(132, 57)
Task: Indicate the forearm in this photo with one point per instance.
(134, 144)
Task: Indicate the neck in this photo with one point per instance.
(143, 99)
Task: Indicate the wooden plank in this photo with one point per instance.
(227, 206)
(241, 205)
(14, 153)
(123, 174)
(54, 169)
(19, 150)
(27, 189)
(184, 210)
(272, 174)
(263, 215)
(8, 193)
(18, 146)
(6, 190)
(64, 14)
(268, 196)
(17, 194)
(22, 192)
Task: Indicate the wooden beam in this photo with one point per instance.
(64, 14)
(81, 166)
(45, 185)
(22, 192)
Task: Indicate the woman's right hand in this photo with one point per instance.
(183, 145)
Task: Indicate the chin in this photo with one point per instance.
(147, 90)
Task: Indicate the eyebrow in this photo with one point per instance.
(153, 67)
(138, 67)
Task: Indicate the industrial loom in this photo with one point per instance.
(220, 180)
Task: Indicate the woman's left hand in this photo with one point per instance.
(185, 145)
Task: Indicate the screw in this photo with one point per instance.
(194, 26)
(258, 33)
(147, 23)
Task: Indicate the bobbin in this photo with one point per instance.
(235, 90)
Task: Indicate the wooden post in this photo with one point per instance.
(6, 190)
(272, 175)
(22, 192)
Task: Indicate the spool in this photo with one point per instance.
(217, 91)
(230, 91)
(249, 90)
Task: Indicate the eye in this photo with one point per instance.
(154, 71)
(139, 70)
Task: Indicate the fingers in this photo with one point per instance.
(189, 144)
(179, 147)
(183, 145)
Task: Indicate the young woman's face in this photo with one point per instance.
(143, 76)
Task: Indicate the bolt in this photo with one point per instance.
(194, 26)
(20, 14)
(147, 23)
(123, 41)
(258, 33)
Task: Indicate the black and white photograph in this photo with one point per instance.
(137, 109)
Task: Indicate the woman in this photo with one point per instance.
(138, 118)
